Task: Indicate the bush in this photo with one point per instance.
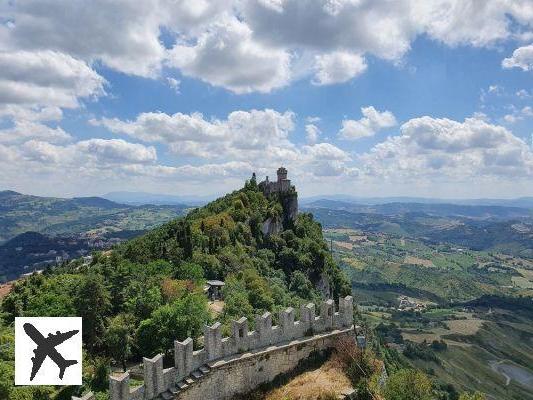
(408, 384)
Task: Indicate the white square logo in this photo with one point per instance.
(48, 351)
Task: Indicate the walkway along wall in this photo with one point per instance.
(237, 364)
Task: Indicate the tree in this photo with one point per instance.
(177, 321)
(237, 305)
(189, 271)
(142, 298)
(408, 384)
(93, 305)
(6, 380)
(119, 338)
(301, 285)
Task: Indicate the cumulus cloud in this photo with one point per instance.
(443, 148)
(97, 153)
(241, 133)
(46, 78)
(372, 122)
(312, 132)
(337, 67)
(479, 24)
(24, 130)
(227, 56)
(250, 45)
(124, 35)
(259, 138)
(521, 58)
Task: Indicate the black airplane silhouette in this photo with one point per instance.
(46, 347)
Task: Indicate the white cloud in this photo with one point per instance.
(226, 55)
(372, 122)
(242, 133)
(479, 24)
(46, 78)
(519, 114)
(325, 151)
(523, 94)
(338, 67)
(174, 84)
(116, 151)
(28, 113)
(521, 58)
(312, 132)
(92, 153)
(123, 34)
(24, 130)
(381, 28)
(447, 149)
(253, 45)
(259, 138)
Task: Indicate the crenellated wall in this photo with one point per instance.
(191, 365)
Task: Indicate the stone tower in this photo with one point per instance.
(282, 173)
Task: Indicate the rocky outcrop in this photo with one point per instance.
(272, 226)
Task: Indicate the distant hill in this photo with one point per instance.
(20, 213)
(432, 209)
(522, 202)
(140, 198)
(511, 236)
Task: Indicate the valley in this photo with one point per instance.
(36, 232)
(450, 311)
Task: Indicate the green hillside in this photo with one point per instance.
(147, 292)
(20, 213)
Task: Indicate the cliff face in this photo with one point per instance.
(289, 202)
(272, 226)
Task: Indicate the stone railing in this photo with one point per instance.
(190, 364)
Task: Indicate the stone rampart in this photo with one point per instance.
(245, 372)
(190, 365)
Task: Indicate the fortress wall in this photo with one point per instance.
(243, 340)
(186, 360)
(242, 375)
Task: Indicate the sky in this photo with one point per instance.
(189, 97)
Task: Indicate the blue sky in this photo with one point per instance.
(369, 98)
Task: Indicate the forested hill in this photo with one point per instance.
(227, 236)
(147, 292)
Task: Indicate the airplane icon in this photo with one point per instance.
(46, 347)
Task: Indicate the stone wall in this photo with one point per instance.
(244, 374)
(190, 365)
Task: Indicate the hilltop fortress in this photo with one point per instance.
(288, 198)
(282, 185)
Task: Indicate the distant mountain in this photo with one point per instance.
(511, 236)
(430, 209)
(522, 202)
(20, 213)
(140, 198)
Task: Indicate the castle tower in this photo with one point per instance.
(282, 174)
(283, 183)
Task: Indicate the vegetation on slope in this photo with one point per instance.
(149, 291)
